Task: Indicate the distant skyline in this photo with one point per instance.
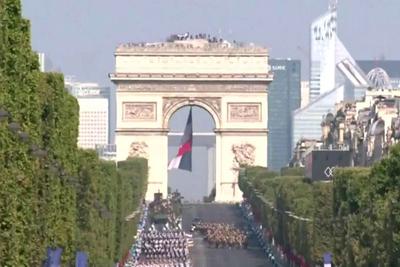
(80, 36)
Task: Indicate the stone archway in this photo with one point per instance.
(173, 104)
(198, 184)
(152, 82)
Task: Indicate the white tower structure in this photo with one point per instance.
(42, 65)
(331, 62)
(334, 76)
(323, 53)
(93, 122)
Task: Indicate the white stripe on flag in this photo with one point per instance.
(174, 163)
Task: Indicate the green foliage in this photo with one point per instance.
(66, 198)
(321, 226)
(18, 66)
(357, 216)
(105, 196)
(259, 174)
(273, 196)
(367, 213)
(297, 171)
(132, 176)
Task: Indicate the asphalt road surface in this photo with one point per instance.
(204, 256)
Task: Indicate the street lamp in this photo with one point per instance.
(36, 152)
(14, 127)
(53, 169)
(41, 153)
(24, 136)
(33, 147)
(62, 172)
(3, 114)
(72, 180)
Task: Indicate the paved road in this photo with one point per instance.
(203, 256)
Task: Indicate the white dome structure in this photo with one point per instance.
(379, 78)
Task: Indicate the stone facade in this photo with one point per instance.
(138, 149)
(139, 111)
(230, 83)
(244, 112)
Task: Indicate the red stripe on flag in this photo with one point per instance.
(186, 147)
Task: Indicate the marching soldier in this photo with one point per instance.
(167, 249)
(222, 235)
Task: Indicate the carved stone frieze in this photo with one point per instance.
(244, 112)
(138, 149)
(243, 156)
(212, 102)
(191, 87)
(133, 111)
(168, 102)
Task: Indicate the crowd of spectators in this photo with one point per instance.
(257, 229)
(278, 255)
(132, 257)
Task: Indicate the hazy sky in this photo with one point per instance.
(79, 36)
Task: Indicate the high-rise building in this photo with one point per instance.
(331, 63)
(323, 49)
(334, 77)
(93, 122)
(307, 120)
(94, 119)
(305, 93)
(42, 65)
(283, 99)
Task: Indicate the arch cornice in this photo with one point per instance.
(211, 104)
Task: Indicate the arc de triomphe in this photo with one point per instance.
(154, 80)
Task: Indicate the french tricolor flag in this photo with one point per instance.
(183, 159)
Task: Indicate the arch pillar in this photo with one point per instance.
(240, 135)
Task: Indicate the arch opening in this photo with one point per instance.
(194, 103)
(195, 186)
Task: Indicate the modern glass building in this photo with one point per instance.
(307, 120)
(323, 42)
(283, 98)
(335, 77)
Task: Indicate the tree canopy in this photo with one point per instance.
(53, 194)
(356, 216)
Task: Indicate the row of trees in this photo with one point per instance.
(289, 207)
(366, 210)
(356, 217)
(53, 194)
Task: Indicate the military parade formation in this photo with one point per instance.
(161, 242)
(165, 249)
(221, 235)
